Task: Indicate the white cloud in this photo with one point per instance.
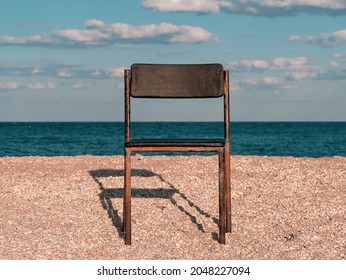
(251, 7)
(41, 86)
(13, 85)
(64, 74)
(89, 37)
(325, 39)
(301, 75)
(339, 55)
(116, 72)
(283, 72)
(32, 70)
(234, 86)
(199, 6)
(95, 73)
(189, 34)
(272, 80)
(60, 70)
(249, 65)
(99, 34)
(51, 85)
(12, 40)
(80, 85)
(279, 63)
(333, 63)
(282, 62)
(36, 86)
(36, 70)
(271, 83)
(10, 85)
(250, 82)
(339, 59)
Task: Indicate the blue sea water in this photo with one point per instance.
(300, 139)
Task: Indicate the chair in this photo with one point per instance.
(179, 81)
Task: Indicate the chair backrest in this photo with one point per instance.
(176, 80)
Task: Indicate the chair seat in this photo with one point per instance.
(176, 143)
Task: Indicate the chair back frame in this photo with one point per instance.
(223, 156)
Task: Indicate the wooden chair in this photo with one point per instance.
(179, 81)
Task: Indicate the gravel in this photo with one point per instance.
(71, 208)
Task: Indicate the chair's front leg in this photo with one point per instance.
(222, 199)
(127, 198)
(227, 159)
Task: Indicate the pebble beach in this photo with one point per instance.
(70, 208)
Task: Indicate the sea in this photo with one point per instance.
(297, 139)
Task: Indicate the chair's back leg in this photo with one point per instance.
(227, 151)
(127, 198)
(222, 199)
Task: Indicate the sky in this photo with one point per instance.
(64, 60)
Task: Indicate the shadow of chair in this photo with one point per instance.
(107, 194)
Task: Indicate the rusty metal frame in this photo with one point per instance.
(223, 152)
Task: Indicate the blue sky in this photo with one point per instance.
(63, 60)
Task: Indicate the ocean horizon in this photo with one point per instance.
(298, 139)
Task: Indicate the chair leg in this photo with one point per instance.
(127, 198)
(228, 190)
(222, 200)
(124, 200)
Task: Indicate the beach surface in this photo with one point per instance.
(71, 208)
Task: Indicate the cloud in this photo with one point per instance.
(9, 85)
(99, 34)
(279, 63)
(249, 65)
(332, 74)
(272, 80)
(325, 39)
(64, 74)
(95, 73)
(81, 85)
(36, 86)
(301, 75)
(339, 59)
(14, 85)
(340, 56)
(116, 72)
(60, 71)
(51, 86)
(32, 70)
(267, 8)
(281, 73)
(199, 6)
(41, 86)
(269, 83)
(36, 70)
(284, 62)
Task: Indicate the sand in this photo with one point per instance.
(71, 208)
